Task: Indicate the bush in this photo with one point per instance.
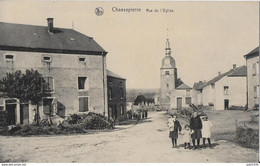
(234, 107)
(3, 118)
(211, 104)
(73, 125)
(187, 112)
(247, 137)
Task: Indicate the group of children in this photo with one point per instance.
(188, 133)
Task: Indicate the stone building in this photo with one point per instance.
(116, 96)
(252, 63)
(72, 63)
(168, 77)
(182, 96)
(225, 90)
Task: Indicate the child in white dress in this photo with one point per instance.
(206, 130)
(187, 136)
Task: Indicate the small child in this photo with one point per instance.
(187, 136)
(206, 130)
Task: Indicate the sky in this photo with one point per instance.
(205, 37)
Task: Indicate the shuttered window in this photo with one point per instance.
(50, 82)
(83, 104)
(82, 83)
(188, 100)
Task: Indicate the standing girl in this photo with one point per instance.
(206, 130)
(174, 127)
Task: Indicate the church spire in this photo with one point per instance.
(168, 48)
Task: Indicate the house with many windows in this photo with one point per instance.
(72, 63)
(224, 90)
(252, 63)
(116, 96)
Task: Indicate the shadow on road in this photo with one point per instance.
(143, 121)
(207, 146)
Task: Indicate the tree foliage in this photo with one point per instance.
(179, 82)
(28, 86)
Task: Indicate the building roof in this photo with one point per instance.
(139, 99)
(168, 62)
(254, 52)
(237, 72)
(111, 74)
(34, 38)
(197, 85)
(131, 94)
(183, 87)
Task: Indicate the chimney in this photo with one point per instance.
(50, 25)
(219, 73)
(234, 66)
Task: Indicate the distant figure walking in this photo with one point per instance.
(206, 130)
(174, 127)
(196, 126)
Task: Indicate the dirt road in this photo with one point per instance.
(145, 142)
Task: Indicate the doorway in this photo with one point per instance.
(47, 106)
(179, 102)
(226, 104)
(11, 117)
(24, 113)
(115, 112)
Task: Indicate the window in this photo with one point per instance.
(188, 100)
(122, 93)
(82, 83)
(187, 92)
(110, 93)
(81, 59)
(50, 82)
(167, 73)
(256, 91)
(257, 68)
(167, 85)
(48, 106)
(122, 110)
(9, 57)
(46, 58)
(225, 90)
(83, 104)
(254, 68)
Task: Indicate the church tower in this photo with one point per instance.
(168, 77)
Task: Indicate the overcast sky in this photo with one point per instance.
(206, 37)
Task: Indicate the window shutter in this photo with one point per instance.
(50, 80)
(85, 104)
(81, 104)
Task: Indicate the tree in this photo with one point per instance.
(26, 87)
(179, 82)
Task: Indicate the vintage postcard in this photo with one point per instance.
(129, 82)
